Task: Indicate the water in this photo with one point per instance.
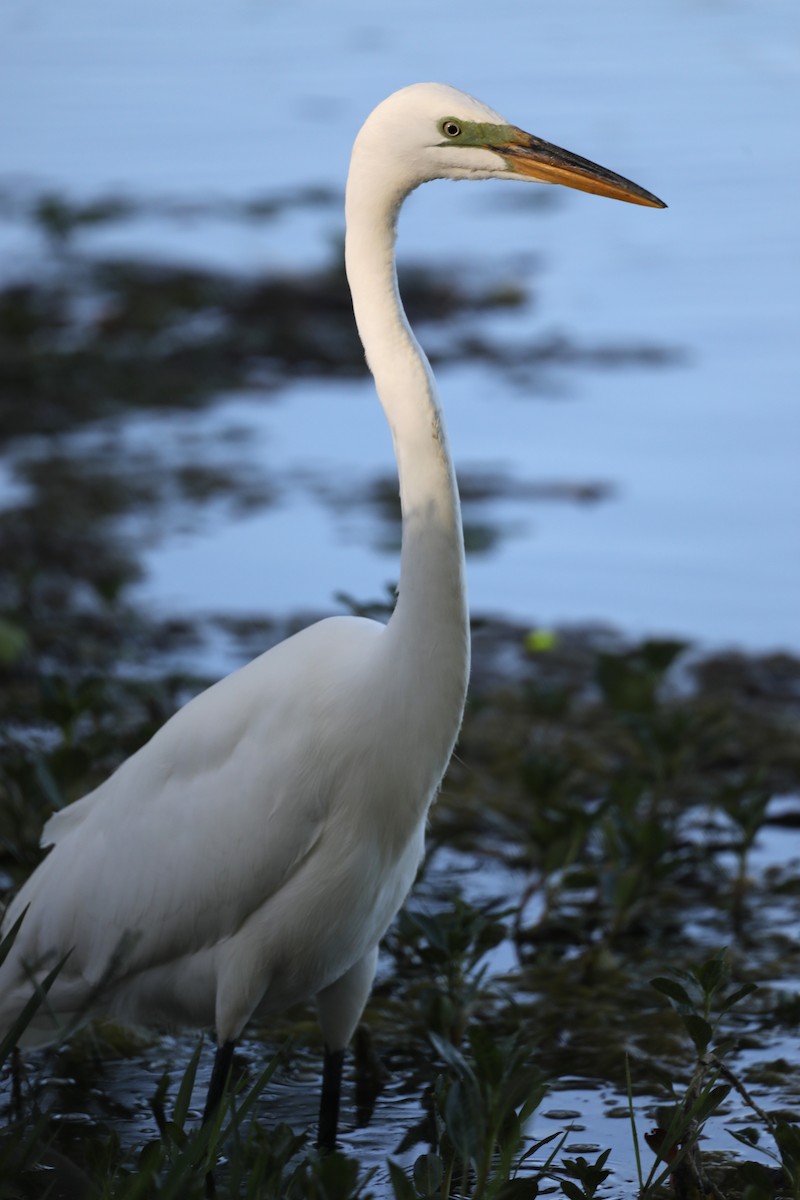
(582, 1104)
(697, 534)
(696, 102)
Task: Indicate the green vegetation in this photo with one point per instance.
(599, 783)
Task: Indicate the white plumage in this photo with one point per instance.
(253, 853)
(241, 859)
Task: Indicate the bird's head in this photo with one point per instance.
(432, 131)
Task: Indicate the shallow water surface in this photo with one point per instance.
(699, 536)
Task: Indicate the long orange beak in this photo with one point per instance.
(530, 156)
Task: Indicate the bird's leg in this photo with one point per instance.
(219, 1077)
(329, 1101)
(16, 1081)
(216, 1090)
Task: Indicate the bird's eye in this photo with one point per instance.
(451, 129)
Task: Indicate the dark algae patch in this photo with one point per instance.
(593, 990)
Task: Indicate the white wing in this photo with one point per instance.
(194, 832)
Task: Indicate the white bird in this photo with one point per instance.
(253, 853)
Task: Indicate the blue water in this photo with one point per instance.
(697, 102)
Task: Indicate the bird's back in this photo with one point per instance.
(272, 786)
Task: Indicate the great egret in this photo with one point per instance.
(253, 853)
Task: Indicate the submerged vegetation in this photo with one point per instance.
(594, 988)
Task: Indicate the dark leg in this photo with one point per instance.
(219, 1077)
(329, 1102)
(16, 1082)
(216, 1090)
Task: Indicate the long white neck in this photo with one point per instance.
(430, 627)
